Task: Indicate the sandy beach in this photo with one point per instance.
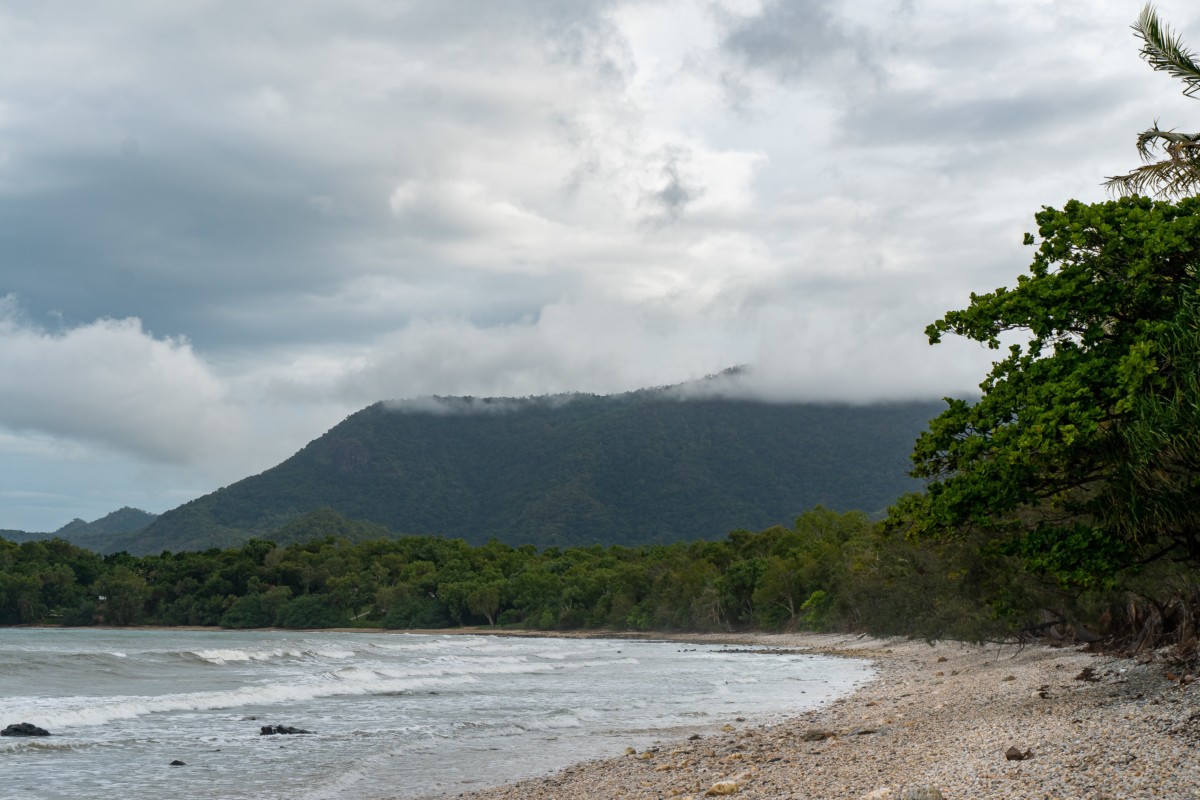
(951, 720)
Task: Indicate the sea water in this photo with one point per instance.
(391, 715)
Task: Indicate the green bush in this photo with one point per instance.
(416, 612)
(248, 612)
(309, 611)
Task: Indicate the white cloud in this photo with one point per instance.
(112, 383)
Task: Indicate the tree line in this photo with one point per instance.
(829, 570)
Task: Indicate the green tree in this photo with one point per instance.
(309, 611)
(1171, 159)
(485, 600)
(1081, 455)
(124, 594)
(247, 612)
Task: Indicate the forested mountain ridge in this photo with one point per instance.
(634, 468)
(94, 534)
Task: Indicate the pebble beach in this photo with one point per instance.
(948, 720)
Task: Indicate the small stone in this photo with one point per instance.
(629, 751)
(817, 736)
(722, 788)
(177, 763)
(942, 659)
(1015, 754)
(921, 793)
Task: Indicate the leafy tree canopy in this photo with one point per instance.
(1083, 454)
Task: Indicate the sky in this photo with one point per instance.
(227, 226)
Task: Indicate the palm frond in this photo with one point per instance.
(1168, 177)
(1164, 50)
(1179, 146)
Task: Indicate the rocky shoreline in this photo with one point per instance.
(950, 720)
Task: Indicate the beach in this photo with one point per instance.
(947, 720)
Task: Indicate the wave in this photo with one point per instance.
(352, 679)
(93, 712)
(41, 743)
(223, 656)
(41, 662)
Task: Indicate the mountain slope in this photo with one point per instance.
(635, 468)
(95, 534)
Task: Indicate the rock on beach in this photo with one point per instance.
(936, 724)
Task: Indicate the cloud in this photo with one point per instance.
(113, 384)
(792, 38)
(824, 352)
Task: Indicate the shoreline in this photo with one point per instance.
(938, 720)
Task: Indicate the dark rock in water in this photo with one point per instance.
(177, 763)
(24, 729)
(271, 730)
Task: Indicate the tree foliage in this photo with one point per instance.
(828, 570)
(1081, 456)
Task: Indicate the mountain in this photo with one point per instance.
(641, 467)
(95, 534)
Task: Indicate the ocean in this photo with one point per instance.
(391, 715)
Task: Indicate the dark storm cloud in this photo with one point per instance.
(791, 37)
(169, 238)
(197, 166)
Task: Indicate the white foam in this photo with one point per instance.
(83, 711)
(222, 656)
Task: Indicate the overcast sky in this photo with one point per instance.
(226, 226)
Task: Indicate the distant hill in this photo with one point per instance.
(640, 467)
(94, 535)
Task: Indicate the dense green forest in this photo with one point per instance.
(637, 468)
(827, 570)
